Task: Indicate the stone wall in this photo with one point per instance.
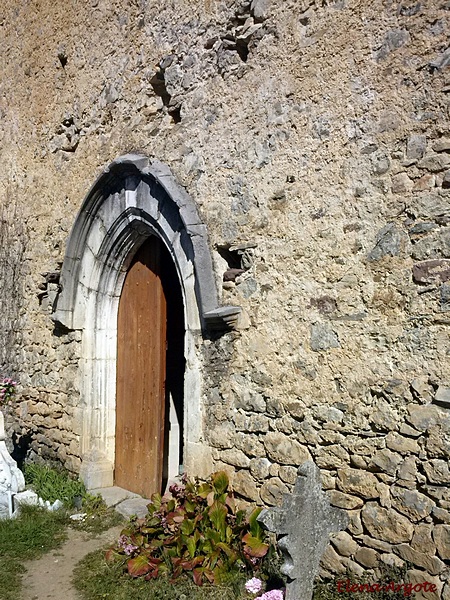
(313, 137)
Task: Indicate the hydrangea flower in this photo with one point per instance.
(271, 595)
(126, 546)
(253, 585)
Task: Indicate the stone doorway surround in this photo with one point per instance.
(133, 198)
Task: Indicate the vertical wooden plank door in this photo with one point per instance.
(141, 373)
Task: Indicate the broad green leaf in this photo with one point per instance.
(187, 527)
(254, 547)
(139, 566)
(204, 490)
(155, 502)
(217, 514)
(255, 528)
(212, 535)
(220, 482)
(191, 546)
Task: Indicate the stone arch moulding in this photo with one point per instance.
(133, 198)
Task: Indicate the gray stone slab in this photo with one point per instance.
(114, 495)
(133, 506)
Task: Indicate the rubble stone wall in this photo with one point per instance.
(314, 138)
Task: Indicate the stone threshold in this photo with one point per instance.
(124, 502)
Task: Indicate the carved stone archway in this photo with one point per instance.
(132, 199)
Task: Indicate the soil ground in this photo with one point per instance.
(49, 578)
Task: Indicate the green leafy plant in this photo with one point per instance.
(7, 390)
(53, 484)
(196, 529)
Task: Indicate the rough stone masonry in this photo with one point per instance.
(314, 138)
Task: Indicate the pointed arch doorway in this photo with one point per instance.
(150, 373)
(134, 200)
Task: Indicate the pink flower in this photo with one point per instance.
(253, 585)
(271, 595)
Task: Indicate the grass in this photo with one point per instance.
(54, 484)
(37, 531)
(96, 579)
(31, 535)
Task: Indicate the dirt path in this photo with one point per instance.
(50, 576)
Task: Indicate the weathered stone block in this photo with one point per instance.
(441, 145)
(401, 444)
(411, 503)
(437, 471)
(342, 500)
(344, 543)
(386, 461)
(431, 564)
(415, 576)
(323, 337)
(367, 557)
(357, 482)
(260, 468)
(333, 456)
(245, 485)
(434, 162)
(386, 525)
(272, 491)
(416, 146)
(401, 183)
(441, 537)
(423, 417)
(285, 450)
(234, 457)
(422, 540)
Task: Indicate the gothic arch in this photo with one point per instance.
(132, 199)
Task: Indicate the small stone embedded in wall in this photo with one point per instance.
(434, 162)
(380, 164)
(272, 491)
(441, 145)
(442, 395)
(393, 40)
(285, 450)
(358, 482)
(411, 503)
(431, 271)
(386, 524)
(343, 500)
(401, 183)
(247, 287)
(387, 242)
(323, 337)
(416, 146)
(437, 472)
(441, 537)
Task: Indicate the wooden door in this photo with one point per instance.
(141, 373)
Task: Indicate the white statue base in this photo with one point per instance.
(11, 477)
